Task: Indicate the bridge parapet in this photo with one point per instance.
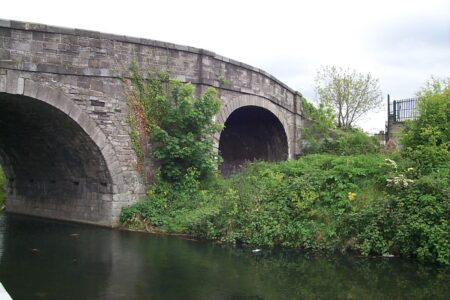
(49, 49)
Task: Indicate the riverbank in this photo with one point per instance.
(368, 204)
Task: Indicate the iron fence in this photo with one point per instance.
(402, 110)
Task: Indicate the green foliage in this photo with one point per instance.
(411, 218)
(2, 189)
(308, 108)
(352, 198)
(171, 207)
(340, 142)
(319, 129)
(180, 125)
(302, 203)
(350, 142)
(322, 136)
(364, 203)
(427, 139)
(180, 128)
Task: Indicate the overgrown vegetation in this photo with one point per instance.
(426, 140)
(351, 197)
(364, 203)
(2, 189)
(179, 125)
(322, 135)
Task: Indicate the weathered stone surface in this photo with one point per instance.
(64, 140)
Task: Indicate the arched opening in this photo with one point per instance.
(52, 167)
(251, 133)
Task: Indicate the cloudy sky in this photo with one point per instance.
(403, 43)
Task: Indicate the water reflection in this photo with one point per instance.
(55, 260)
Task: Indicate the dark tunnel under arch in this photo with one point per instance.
(53, 168)
(251, 133)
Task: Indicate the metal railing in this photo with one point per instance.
(402, 110)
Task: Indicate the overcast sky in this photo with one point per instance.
(402, 43)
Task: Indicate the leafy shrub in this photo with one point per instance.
(319, 202)
(350, 142)
(319, 128)
(427, 139)
(341, 200)
(180, 125)
(322, 136)
(171, 207)
(411, 218)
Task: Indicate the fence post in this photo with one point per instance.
(389, 105)
(395, 111)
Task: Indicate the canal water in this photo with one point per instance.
(45, 259)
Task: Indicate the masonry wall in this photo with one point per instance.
(90, 69)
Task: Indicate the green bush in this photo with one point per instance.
(426, 140)
(171, 207)
(180, 125)
(342, 200)
(364, 203)
(319, 128)
(350, 142)
(300, 203)
(412, 217)
(322, 136)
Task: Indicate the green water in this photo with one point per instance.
(43, 259)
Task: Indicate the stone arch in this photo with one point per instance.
(266, 131)
(97, 210)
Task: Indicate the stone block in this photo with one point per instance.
(2, 83)
(5, 23)
(12, 82)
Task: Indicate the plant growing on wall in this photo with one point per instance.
(179, 125)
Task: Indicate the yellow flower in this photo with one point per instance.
(351, 196)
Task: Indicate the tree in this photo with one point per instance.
(350, 93)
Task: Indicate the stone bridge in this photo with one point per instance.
(64, 143)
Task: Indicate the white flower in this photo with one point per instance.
(391, 163)
(399, 181)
